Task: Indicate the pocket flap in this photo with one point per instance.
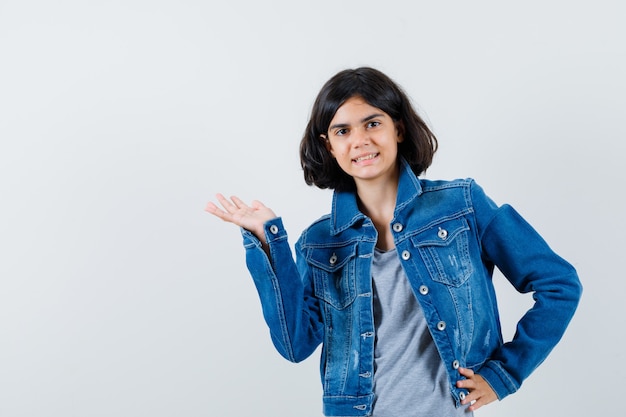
(331, 259)
(440, 234)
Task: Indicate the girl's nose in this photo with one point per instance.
(361, 137)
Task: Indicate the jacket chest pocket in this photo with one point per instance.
(333, 272)
(445, 251)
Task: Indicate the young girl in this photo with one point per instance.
(396, 282)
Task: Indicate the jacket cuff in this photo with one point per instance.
(273, 229)
(498, 379)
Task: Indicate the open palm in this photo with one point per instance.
(235, 211)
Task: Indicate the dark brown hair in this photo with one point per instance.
(378, 90)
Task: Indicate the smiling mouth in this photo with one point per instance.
(365, 157)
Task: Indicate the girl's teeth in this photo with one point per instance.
(363, 158)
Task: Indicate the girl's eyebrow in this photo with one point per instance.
(365, 119)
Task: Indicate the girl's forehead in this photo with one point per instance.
(356, 106)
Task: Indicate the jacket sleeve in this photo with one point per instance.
(290, 311)
(531, 266)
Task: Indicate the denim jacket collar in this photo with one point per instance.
(345, 209)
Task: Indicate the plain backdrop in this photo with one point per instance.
(119, 120)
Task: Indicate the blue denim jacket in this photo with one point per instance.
(449, 236)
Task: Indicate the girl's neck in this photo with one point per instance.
(378, 202)
(377, 197)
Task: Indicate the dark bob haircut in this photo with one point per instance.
(378, 90)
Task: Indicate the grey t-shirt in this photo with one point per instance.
(409, 377)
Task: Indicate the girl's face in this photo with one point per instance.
(364, 141)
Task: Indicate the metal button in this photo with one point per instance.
(441, 325)
(273, 229)
(442, 233)
(406, 255)
(462, 395)
(423, 289)
(333, 259)
(456, 364)
(397, 227)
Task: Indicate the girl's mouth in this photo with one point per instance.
(365, 157)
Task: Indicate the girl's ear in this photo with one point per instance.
(400, 131)
(324, 138)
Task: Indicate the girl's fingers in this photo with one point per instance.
(480, 393)
(211, 208)
(227, 204)
(225, 213)
(238, 203)
(216, 211)
(256, 204)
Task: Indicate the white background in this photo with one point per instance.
(119, 120)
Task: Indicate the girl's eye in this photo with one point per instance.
(373, 124)
(341, 132)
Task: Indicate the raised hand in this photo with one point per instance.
(235, 211)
